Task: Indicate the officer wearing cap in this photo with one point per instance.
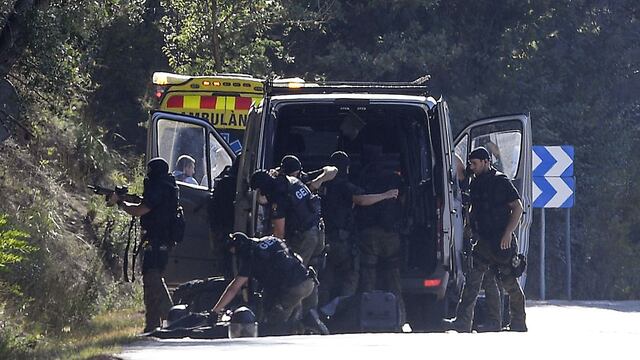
(291, 166)
(285, 281)
(340, 277)
(157, 210)
(494, 215)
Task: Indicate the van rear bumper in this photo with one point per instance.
(435, 283)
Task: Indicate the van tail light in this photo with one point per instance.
(432, 282)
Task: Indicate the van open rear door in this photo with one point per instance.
(508, 140)
(171, 136)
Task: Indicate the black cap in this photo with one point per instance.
(261, 179)
(479, 153)
(290, 164)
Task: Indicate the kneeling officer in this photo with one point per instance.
(280, 272)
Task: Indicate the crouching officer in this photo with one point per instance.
(285, 281)
(157, 210)
(495, 213)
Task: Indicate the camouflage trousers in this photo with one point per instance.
(473, 281)
(157, 300)
(380, 262)
(340, 277)
(307, 244)
(281, 307)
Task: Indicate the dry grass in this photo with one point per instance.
(101, 338)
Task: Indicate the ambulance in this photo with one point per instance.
(222, 100)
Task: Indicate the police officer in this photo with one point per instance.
(379, 227)
(495, 212)
(340, 277)
(295, 212)
(285, 281)
(157, 211)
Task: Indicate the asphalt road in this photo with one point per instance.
(557, 329)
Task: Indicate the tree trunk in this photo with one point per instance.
(14, 37)
(215, 37)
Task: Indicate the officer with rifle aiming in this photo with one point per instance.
(157, 211)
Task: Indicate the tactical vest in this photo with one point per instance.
(304, 207)
(489, 216)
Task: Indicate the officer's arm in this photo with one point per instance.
(328, 174)
(370, 199)
(278, 227)
(134, 209)
(514, 219)
(230, 292)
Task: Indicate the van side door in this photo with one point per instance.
(508, 140)
(171, 136)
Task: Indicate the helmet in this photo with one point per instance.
(176, 313)
(243, 323)
(290, 164)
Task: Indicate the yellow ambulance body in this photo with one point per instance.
(222, 100)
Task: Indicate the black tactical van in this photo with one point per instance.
(312, 120)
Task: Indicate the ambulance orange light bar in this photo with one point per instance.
(217, 83)
(206, 83)
(163, 78)
(295, 85)
(432, 282)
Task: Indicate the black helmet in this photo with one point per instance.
(290, 164)
(157, 167)
(176, 313)
(243, 323)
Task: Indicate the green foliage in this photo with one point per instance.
(13, 244)
(204, 37)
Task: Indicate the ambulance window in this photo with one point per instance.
(504, 147)
(182, 145)
(219, 158)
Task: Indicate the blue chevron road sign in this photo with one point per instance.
(552, 160)
(553, 181)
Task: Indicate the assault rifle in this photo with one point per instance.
(122, 191)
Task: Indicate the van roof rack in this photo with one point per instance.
(416, 87)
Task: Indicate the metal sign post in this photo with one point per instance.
(553, 187)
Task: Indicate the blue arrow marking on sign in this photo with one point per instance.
(546, 161)
(542, 191)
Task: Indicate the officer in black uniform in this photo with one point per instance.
(340, 277)
(285, 281)
(291, 166)
(295, 217)
(157, 211)
(379, 228)
(295, 212)
(495, 213)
